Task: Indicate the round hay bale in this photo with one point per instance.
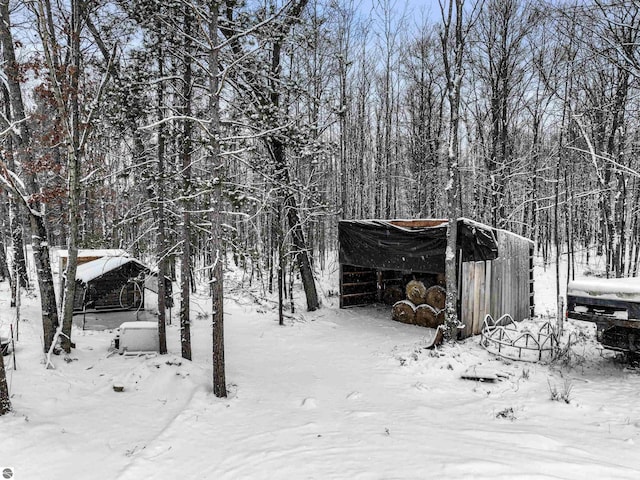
(428, 280)
(416, 292)
(392, 295)
(426, 316)
(436, 297)
(404, 311)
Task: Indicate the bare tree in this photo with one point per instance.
(425, 92)
(216, 161)
(186, 160)
(452, 39)
(162, 249)
(65, 89)
(266, 99)
(26, 192)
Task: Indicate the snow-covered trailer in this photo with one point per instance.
(613, 304)
(495, 267)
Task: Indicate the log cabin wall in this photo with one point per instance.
(114, 290)
(497, 287)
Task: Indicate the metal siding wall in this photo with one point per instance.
(496, 287)
(509, 277)
(513, 275)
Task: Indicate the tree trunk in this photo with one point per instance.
(18, 248)
(185, 267)
(45, 279)
(5, 401)
(23, 140)
(301, 252)
(9, 92)
(161, 247)
(217, 298)
(5, 274)
(73, 168)
(295, 225)
(15, 226)
(454, 74)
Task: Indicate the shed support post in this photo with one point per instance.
(341, 288)
(532, 303)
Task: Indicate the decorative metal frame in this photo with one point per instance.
(503, 337)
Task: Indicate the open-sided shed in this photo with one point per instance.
(86, 255)
(110, 283)
(495, 267)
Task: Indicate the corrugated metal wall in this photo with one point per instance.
(498, 286)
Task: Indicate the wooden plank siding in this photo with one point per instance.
(499, 286)
(114, 290)
(468, 273)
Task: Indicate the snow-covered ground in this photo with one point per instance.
(334, 394)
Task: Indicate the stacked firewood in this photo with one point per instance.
(423, 306)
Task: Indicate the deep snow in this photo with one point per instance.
(334, 394)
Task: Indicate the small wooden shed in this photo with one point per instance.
(495, 267)
(87, 255)
(110, 283)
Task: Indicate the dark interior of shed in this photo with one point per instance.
(379, 258)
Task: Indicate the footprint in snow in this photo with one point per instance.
(354, 396)
(309, 403)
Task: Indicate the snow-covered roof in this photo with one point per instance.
(606, 288)
(406, 224)
(88, 252)
(141, 325)
(468, 221)
(96, 268)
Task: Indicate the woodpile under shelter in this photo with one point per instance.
(110, 283)
(378, 259)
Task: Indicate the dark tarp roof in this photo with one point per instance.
(382, 245)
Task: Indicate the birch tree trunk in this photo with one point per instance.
(453, 72)
(73, 168)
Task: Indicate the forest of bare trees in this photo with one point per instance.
(204, 134)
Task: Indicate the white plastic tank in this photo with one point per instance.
(138, 337)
